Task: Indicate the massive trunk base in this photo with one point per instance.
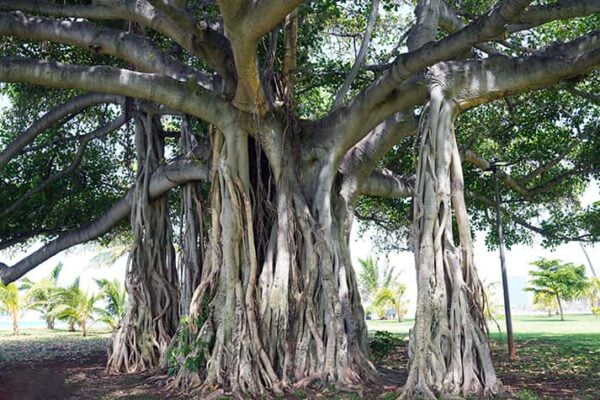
(278, 306)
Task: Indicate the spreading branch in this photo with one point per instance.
(162, 180)
(64, 111)
(202, 41)
(129, 47)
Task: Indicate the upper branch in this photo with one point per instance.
(66, 110)
(135, 49)
(177, 95)
(360, 58)
(202, 41)
(245, 23)
(565, 9)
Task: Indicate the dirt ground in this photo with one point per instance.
(62, 378)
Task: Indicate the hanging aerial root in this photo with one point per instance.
(449, 352)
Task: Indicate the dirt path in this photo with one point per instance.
(82, 379)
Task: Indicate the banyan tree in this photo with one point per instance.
(247, 97)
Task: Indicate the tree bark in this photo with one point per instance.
(15, 323)
(449, 353)
(152, 314)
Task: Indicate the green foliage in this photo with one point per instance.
(13, 303)
(187, 351)
(392, 297)
(382, 343)
(563, 281)
(546, 302)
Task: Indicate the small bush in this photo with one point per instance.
(383, 343)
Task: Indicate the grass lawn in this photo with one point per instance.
(573, 323)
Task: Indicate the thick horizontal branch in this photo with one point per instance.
(387, 184)
(83, 142)
(64, 111)
(135, 49)
(162, 180)
(474, 82)
(152, 87)
(565, 9)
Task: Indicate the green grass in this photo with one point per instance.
(574, 323)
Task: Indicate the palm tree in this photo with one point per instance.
(13, 303)
(114, 295)
(77, 306)
(392, 297)
(43, 294)
(594, 295)
(380, 288)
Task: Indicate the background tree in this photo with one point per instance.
(392, 296)
(563, 281)
(13, 303)
(545, 302)
(380, 288)
(594, 295)
(42, 294)
(77, 306)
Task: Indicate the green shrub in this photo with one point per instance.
(383, 343)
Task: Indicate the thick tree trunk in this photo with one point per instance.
(278, 305)
(449, 351)
(15, 323)
(152, 314)
(50, 323)
(562, 317)
(84, 328)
